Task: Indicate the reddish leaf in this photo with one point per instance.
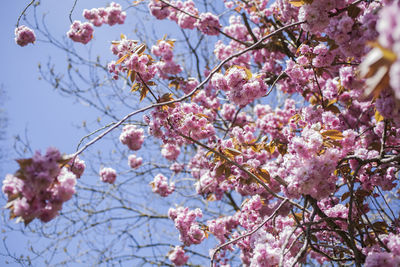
(333, 134)
(119, 61)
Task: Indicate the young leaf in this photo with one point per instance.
(166, 98)
(119, 61)
(143, 93)
(333, 108)
(378, 116)
(171, 42)
(151, 83)
(202, 115)
(232, 151)
(135, 87)
(264, 175)
(227, 171)
(140, 49)
(333, 134)
(375, 68)
(299, 3)
(220, 170)
(211, 197)
(209, 153)
(238, 9)
(133, 76)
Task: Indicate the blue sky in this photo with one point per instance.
(31, 103)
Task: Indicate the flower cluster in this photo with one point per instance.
(132, 60)
(160, 186)
(267, 246)
(208, 24)
(166, 66)
(303, 168)
(24, 35)
(159, 9)
(241, 88)
(186, 15)
(184, 219)
(110, 15)
(377, 258)
(132, 137)
(316, 14)
(170, 151)
(221, 227)
(81, 32)
(108, 175)
(77, 166)
(176, 167)
(134, 162)
(184, 119)
(178, 257)
(40, 187)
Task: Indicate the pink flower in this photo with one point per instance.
(170, 151)
(65, 187)
(12, 185)
(178, 257)
(40, 186)
(81, 32)
(134, 162)
(176, 167)
(209, 24)
(380, 259)
(77, 167)
(108, 175)
(110, 15)
(132, 137)
(114, 14)
(160, 186)
(184, 220)
(158, 9)
(186, 21)
(24, 35)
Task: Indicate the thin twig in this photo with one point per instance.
(23, 12)
(274, 83)
(246, 23)
(384, 136)
(92, 133)
(247, 234)
(283, 247)
(72, 10)
(147, 87)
